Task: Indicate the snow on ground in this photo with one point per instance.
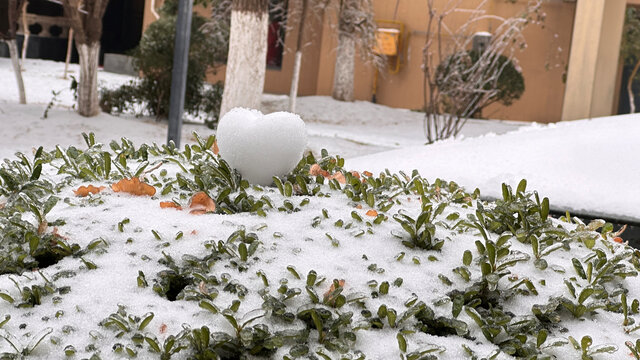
(575, 161)
(368, 123)
(331, 124)
(577, 164)
(587, 166)
(129, 244)
(43, 77)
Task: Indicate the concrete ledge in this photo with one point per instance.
(119, 64)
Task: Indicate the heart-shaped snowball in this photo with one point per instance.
(261, 146)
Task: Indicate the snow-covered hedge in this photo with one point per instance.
(325, 264)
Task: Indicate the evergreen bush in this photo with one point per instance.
(154, 59)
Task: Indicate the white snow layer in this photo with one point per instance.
(261, 146)
(587, 166)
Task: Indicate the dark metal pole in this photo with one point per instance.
(179, 71)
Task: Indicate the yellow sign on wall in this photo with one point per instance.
(387, 41)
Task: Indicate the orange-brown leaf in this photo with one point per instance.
(201, 203)
(86, 190)
(367, 173)
(372, 213)
(215, 148)
(133, 186)
(169, 205)
(355, 174)
(42, 227)
(332, 289)
(316, 170)
(618, 239)
(339, 177)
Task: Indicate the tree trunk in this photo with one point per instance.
(67, 58)
(25, 30)
(13, 52)
(632, 102)
(88, 84)
(345, 64)
(246, 63)
(295, 80)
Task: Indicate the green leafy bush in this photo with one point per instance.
(153, 58)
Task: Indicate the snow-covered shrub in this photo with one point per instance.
(326, 264)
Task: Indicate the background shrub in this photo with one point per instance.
(154, 59)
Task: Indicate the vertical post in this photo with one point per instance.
(179, 72)
(593, 61)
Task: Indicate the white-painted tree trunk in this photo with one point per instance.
(88, 85)
(68, 56)
(13, 52)
(25, 30)
(246, 63)
(345, 65)
(295, 81)
(632, 98)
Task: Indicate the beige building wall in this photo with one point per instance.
(594, 59)
(544, 62)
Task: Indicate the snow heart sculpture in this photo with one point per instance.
(261, 146)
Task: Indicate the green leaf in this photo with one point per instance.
(6, 320)
(311, 278)
(312, 294)
(458, 302)
(288, 189)
(491, 252)
(522, 186)
(242, 250)
(49, 204)
(506, 196)
(586, 342)
(584, 294)
(229, 317)
(542, 337)
(577, 265)
(534, 246)
(293, 271)
(544, 210)
(603, 349)
(402, 342)
(36, 172)
(153, 344)
(69, 350)
(106, 157)
(89, 264)
(384, 288)
(467, 257)
(6, 297)
(209, 306)
(318, 324)
(145, 321)
(33, 240)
